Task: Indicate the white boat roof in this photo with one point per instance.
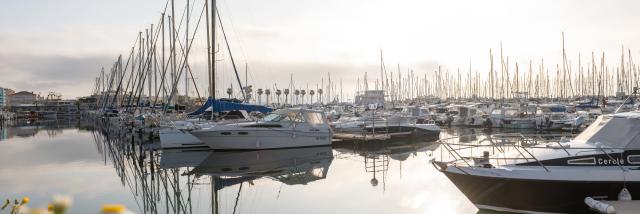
(617, 131)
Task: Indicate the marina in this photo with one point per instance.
(214, 106)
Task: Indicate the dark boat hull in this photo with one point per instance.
(537, 195)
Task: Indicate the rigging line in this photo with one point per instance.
(146, 62)
(132, 57)
(183, 62)
(193, 38)
(237, 198)
(241, 42)
(230, 55)
(115, 97)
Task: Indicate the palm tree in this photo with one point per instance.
(229, 92)
(278, 93)
(286, 96)
(259, 95)
(267, 92)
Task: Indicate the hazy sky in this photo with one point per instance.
(48, 45)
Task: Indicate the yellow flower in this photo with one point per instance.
(25, 200)
(61, 203)
(113, 208)
(50, 207)
(35, 211)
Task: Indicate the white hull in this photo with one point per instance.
(255, 139)
(555, 173)
(172, 138)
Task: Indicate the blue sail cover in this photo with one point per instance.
(593, 103)
(221, 106)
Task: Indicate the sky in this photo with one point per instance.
(61, 45)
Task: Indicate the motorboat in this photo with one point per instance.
(175, 134)
(519, 176)
(553, 117)
(284, 128)
(466, 115)
(394, 125)
(512, 118)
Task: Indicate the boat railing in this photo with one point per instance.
(462, 153)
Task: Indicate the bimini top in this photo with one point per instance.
(617, 131)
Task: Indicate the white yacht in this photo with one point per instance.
(284, 128)
(552, 177)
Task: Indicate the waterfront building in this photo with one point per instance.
(22, 98)
(2, 98)
(7, 93)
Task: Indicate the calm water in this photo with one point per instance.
(76, 158)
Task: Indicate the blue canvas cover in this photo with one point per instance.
(222, 106)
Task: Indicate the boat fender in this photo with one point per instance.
(599, 206)
(624, 195)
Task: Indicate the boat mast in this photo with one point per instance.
(212, 73)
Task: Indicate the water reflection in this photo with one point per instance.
(26, 129)
(110, 165)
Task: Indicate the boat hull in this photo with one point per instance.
(261, 139)
(524, 195)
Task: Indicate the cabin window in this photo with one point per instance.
(583, 161)
(295, 117)
(314, 118)
(633, 159)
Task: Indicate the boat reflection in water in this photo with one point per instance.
(377, 154)
(289, 166)
(97, 163)
(226, 169)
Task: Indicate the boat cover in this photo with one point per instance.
(593, 103)
(616, 131)
(222, 106)
(556, 108)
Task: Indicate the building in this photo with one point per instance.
(4, 97)
(3, 103)
(22, 98)
(370, 97)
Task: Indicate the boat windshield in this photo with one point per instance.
(284, 117)
(314, 118)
